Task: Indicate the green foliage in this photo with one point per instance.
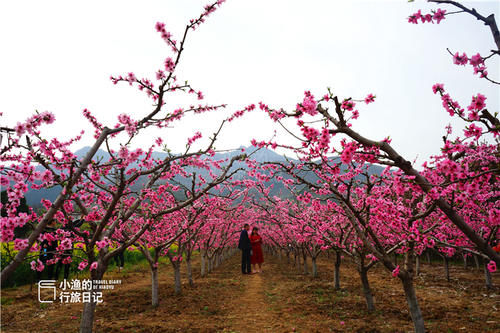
(24, 275)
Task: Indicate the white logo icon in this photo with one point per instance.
(47, 284)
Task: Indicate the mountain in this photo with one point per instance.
(33, 197)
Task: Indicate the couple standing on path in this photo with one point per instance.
(251, 250)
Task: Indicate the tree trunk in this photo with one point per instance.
(428, 255)
(154, 286)
(363, 273)
(466, 262)
(87, 322)
(447, 268)
(306, 270)
(314, 268)
(476, 260)
(487, 277)
(288, 257)
(177, 279)
(336, 273)
(189, 271)
(417, 265)
(203, 264)
(411, 299)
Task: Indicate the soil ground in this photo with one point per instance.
(281, 299)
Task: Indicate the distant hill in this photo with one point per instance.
(33, 197)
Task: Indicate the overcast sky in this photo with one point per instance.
(58, 56)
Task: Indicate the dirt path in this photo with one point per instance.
(252, 312)
(281, 299)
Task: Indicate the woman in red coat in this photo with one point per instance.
(257, 256)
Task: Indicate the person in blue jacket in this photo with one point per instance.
(246, 247)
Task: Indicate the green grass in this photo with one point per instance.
(23, 275)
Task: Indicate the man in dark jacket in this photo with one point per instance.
(245, 247)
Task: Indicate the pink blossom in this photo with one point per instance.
(308, 104)
(492, 266)
(439, 15)
(93, 265)
(395, 272)
(370, 98)
(476, 60)
(348, 105)
(37, 265)
(478, 102)
(473, 130)
(438, 87)
(460, 59)
(169, 65)
(82, 265)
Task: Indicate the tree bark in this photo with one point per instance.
(476, 260)
(306, 270)
(87, 321)
(417, 265)
(447, 268)
(189, 271)
(411, 299)
(177, 279)
(363, 273)
(336, 273)
(203, 264)
(154, 287)
(487, 277)
(314, 268)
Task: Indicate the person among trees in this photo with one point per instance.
(67, 255)
(257, 258)
(47, 250)
(245, 246)
(120, 260)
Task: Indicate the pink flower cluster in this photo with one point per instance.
(370, 98)
(130, 124)
(348, 152)
(240, 113)
(308, 104)
(37, 265)
(193, 139)
(33, 122)
(436, 17)
(166, 36)
(476, 61)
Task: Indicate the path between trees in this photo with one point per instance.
(252, 313)
(281, 299)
